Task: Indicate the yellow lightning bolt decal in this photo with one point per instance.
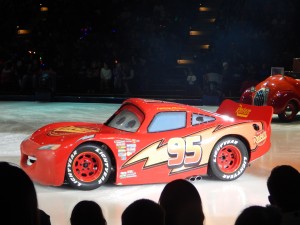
(154, 155)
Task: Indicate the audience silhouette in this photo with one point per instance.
(284, 189)
(44, 218)
(182, 203)
(19, 198)
(143, 212)
(87, 212)
(259, 215)
(179, 203)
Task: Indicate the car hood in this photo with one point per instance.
(277, 82)
(60, 132)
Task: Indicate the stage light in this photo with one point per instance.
(23, 31)
(184, 61)
(204, 9)
(204, 46)
(44, 9)
(195, 33)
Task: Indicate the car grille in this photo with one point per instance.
(260, 97)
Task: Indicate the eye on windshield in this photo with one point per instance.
(128, 118)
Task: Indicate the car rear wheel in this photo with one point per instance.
(289, 113)
(229, 159)
(88, 167)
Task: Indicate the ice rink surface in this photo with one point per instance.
(222, 201)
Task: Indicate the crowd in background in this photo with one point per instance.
(140, 44)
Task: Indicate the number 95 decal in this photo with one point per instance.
(184, 152)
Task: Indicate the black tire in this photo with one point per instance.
(88, 167)
(289, 113)
(229, 159)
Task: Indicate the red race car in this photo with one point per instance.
(149, 141)
(282, 92)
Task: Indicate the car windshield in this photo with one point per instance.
(128, 118)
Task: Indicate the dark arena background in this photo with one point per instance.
(77, 60)
(55, 50)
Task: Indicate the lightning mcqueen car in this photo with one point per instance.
(149, 141)
(279, 91)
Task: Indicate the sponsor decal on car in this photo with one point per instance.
(242, 111)
(127, 174)
(87, 137)
(260, 138)
(61, 131)
(126, 148)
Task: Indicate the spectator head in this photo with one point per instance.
(87, 213)
(259, 215)
(18, 196)
(284, 188)
(182, 203)
(143, 212)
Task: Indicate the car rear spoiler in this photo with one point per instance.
(245, 111)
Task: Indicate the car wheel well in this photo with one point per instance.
(246, 143)
(243, 139)
(290, 111)
(296, 103)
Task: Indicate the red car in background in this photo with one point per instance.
(149, 141)
(282, 92)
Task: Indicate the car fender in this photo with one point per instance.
(280, 99)
(247, 96)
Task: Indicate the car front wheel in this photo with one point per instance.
(88, 167)
(229, 159)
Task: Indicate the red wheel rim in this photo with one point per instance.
(87, 166)
(229, 159)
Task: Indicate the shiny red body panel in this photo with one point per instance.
(282, 90)
(142, 157)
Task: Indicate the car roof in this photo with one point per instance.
(152, 105)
